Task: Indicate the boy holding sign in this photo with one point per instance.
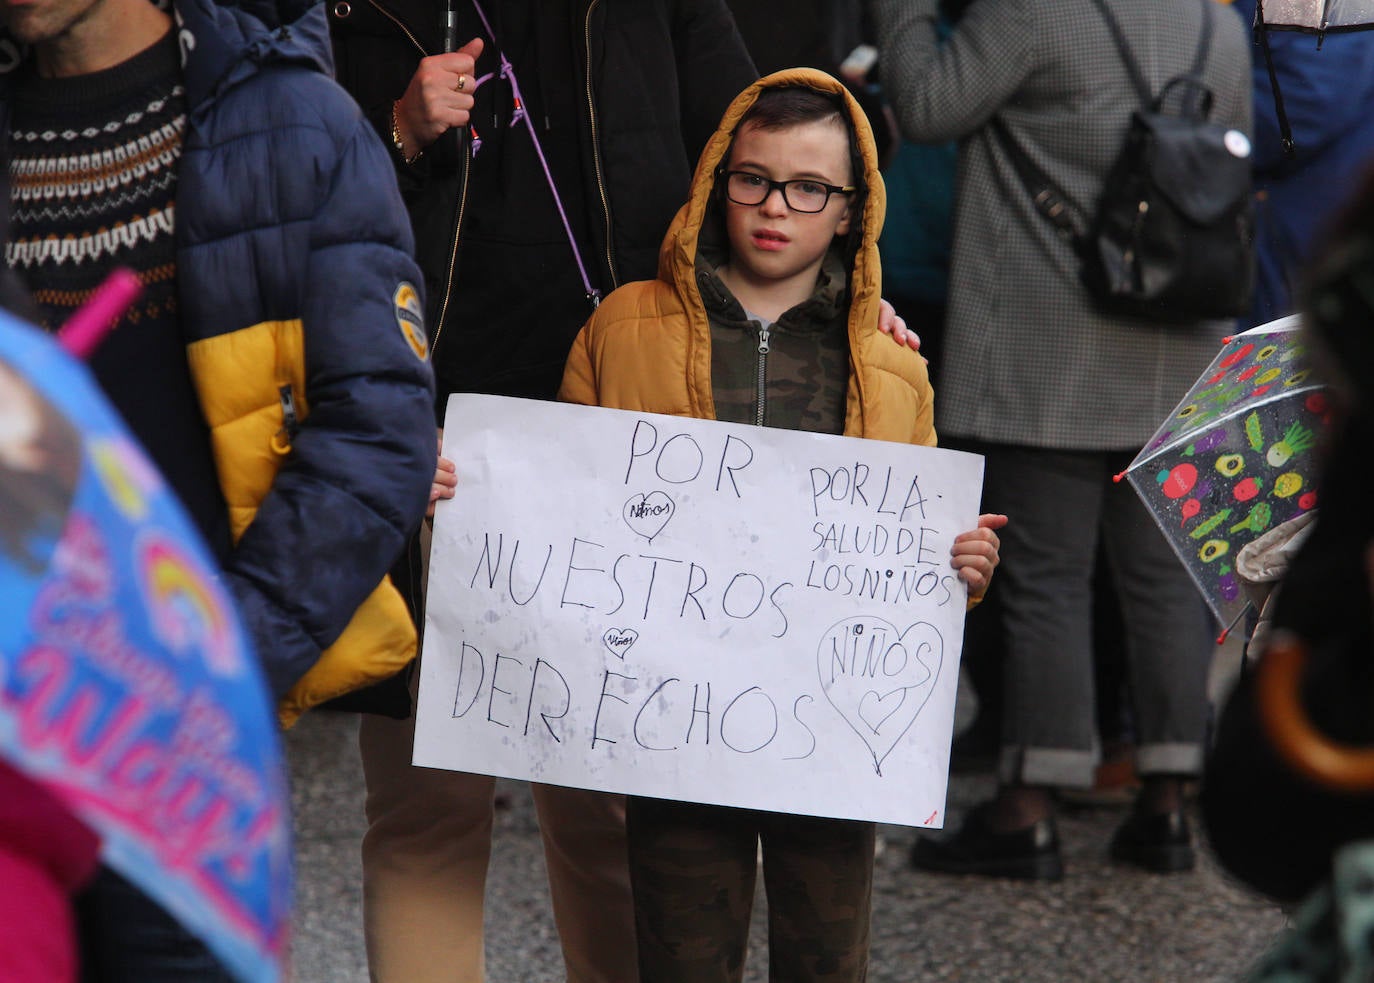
(765, 311)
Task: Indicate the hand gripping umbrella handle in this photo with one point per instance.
(85, 329)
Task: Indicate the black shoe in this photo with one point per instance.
(1030, 854)
(1160, 842)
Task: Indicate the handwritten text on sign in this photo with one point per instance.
(695, 610)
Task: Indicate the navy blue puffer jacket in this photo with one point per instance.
(300, 302)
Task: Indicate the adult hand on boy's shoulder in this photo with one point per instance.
(976, 553)
(891, 323)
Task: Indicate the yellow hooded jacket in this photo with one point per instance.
(648, 346)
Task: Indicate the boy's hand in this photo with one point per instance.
(434, 102)
(976, 553)
(445, 479)
(890, 323)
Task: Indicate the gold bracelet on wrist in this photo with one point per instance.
(396, 140)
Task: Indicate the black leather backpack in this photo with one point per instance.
(1172, 236)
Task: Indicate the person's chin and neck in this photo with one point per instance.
(70, 38)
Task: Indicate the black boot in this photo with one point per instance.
(1158, 842)
(1027, 854)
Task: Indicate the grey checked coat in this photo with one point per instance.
(1028, 359)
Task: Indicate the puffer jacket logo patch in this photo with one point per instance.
(410, 318)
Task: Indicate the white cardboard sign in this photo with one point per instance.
(695, 610)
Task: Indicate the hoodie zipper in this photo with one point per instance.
(453, 252)
(402, 25)
(462, 192)
(762, 401)
(596, 147)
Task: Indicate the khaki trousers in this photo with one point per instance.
(425, 859)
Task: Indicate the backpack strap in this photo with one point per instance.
(1204, 43)
(1195, 106)
(1142, 87)
(1049, 198)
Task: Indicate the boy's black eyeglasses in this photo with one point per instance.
(801, 195)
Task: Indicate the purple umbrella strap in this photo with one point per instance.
(508, 73)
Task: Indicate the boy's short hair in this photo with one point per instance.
(785, 106)
(780, 107)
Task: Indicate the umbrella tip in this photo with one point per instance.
(1221, 639)
(1228, 339)
(86, 328)
(1118, 476)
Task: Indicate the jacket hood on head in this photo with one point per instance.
(680, 246)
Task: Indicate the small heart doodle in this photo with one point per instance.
(648, 514)
(875, 710)
(618, 641)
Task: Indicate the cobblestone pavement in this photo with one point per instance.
(1102, 923)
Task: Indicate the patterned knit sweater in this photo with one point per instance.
(93, 165)
(93, 181)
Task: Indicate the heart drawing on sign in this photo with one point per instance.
(875, 710)
(648, 514)
(878, 678)
(618, 641)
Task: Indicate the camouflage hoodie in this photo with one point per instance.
(789, 373)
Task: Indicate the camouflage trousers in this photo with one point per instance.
(693, 869)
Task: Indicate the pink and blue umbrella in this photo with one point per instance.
(126, 684)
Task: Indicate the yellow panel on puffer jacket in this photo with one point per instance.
(240, 379)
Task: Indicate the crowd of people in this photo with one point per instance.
(344, 213)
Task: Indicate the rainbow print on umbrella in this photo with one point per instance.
(186, 607)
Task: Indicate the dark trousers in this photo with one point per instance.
(1063, 504)
(126, 937)
(693, 867)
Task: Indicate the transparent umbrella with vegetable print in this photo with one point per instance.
(1235, 458)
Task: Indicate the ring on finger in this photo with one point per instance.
(462, 83)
